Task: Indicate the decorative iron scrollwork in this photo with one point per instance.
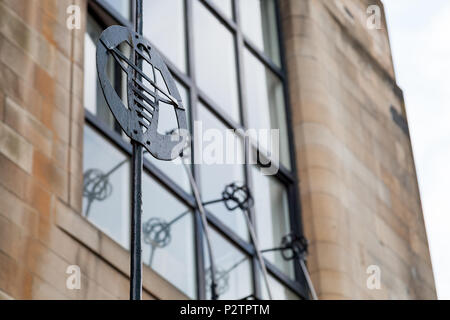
(237, 196)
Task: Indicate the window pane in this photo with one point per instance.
(215, 60)
(272, 217)
(174, 169)
(216, 172)
(168, 239)
(224, 6)
(94, 100)
(121, 6)
(164, 27)
(278, 290)
(106, 189)
(233, 269)
(265, 102)
(258, 19)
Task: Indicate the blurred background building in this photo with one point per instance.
(314, 69)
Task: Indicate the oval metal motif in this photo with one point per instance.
(146, 93)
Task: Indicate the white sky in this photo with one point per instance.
(420, 39)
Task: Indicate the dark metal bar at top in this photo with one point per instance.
(136, 190)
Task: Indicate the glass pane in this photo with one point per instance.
(265, 103)
(272, 218)
(233, 269)
(94, 101)
(215, 60)
(164, 26)
(174, 169)
(168, 238)
(216, 171)
(106, 189)
(278, 290)
(259, 23)
(121, 6)
(224, 6)
(90, 74)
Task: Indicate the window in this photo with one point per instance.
(121, 6)
(215, 60)
(224, 6)
(93, 98)
(106, 192)
(265, 102)
(214, 177)
(272, 212)
(168, 239)
(168, 34)
(233, 267)
(259, 24)
(227, 66)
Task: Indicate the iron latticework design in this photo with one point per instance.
(294, 247)
(237, 196)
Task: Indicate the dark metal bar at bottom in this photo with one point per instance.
(136, 224)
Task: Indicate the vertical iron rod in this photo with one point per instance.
(136, 190)
(201, 210)
(262, 264)
(136, 224)
(301, 261)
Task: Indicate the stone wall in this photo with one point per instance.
(359, 193)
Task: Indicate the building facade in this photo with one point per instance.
(319, 71)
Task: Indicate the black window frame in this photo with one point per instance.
(106, 15)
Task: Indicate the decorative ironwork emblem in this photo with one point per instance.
(237, 196)
(294, 247)
(146, 92)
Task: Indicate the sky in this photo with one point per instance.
(419, 32)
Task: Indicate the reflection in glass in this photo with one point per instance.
(272, 218)
(168, 239)
(217, 173)
(225, 6)
(258, 19)
(121, 6)
(265, 102)
(173, 169)
(215, 60)
(278, 290)
(164, 26)
(233, 275)
(106, 189)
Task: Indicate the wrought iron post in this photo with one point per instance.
(136, 190)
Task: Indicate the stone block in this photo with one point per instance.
(28, 127)
(16, 148)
